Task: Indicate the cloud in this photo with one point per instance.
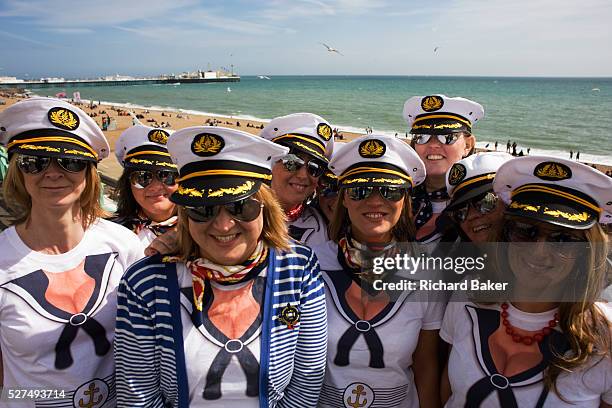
(85, 14)
(22, 38)
(301, 9)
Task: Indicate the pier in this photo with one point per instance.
(119, 82)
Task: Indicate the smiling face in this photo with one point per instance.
(55, 187)
(540, 266)
(225, 241)
(154, 200)
(292, 188)
(373, 218)
(478, 227)
(439, 157)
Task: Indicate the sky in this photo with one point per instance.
(87, 39)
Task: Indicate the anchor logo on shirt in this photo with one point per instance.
(358, 395)
(91, 394)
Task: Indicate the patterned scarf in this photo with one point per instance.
(421, 203)
(294, 213)
(202, 269)
(138, 223)
(358, 259)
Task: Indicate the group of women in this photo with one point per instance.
(266, 297)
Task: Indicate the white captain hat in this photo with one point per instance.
(51, 127)
(376, 160)
(306, 132)
(557, 191)
(218, 165)
(144, 147)
(473, 176)
(441, 114)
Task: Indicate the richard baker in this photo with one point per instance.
(440, 285)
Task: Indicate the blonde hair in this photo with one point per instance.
(403, 231)
(19, 200)
(275, 233)
(583, 324)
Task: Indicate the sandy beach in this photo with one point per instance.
(121, 119)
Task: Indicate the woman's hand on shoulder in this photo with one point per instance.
(165, 244)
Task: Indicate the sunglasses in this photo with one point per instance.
(447, 139)
(293, 163)
(516, 231)
(142, 178)
(483, 204)
(37, 164)
(388, 193)
(245, 210)
(327, 189)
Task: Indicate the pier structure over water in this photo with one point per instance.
(120, 82)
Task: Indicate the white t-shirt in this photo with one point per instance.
(32, 329)
(471, 370)
(375, 369)
(205, 345)
(310, 228)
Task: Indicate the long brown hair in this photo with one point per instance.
(403, 231)
(583, 323)
(18, 199)
(275, 233)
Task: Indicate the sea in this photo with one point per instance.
(551, 116)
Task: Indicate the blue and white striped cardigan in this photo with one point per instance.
(149, 354)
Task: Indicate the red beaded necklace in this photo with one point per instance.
(527, 340)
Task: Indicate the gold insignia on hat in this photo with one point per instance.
(456, 174)
(324, 130)
(158, 136)
(289, 316)
(552, 171)
(63, 118)
(372, 149)
(207, 144)
(241, 189)
(432, 103)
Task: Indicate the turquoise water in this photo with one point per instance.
(549, 115)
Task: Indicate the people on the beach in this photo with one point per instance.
(146, 183)
(309, 138)
(60, 263)
(441, 129)
(237, 316)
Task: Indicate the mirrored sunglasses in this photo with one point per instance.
(388, 193)
(447, 139)
(243, 211)
(327, 189)
(37, 164)
(293, 163)
(143, 178)
(517, 231)
(484, 204)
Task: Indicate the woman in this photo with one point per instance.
(475, 212)
(441, 129)
(147, 181)
(545, 342)
(384, 343)
(237, 317)
(60, 263)
(327, 195)
(310, 140)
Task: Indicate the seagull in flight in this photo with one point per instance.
(436, 49)
(331, 49)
